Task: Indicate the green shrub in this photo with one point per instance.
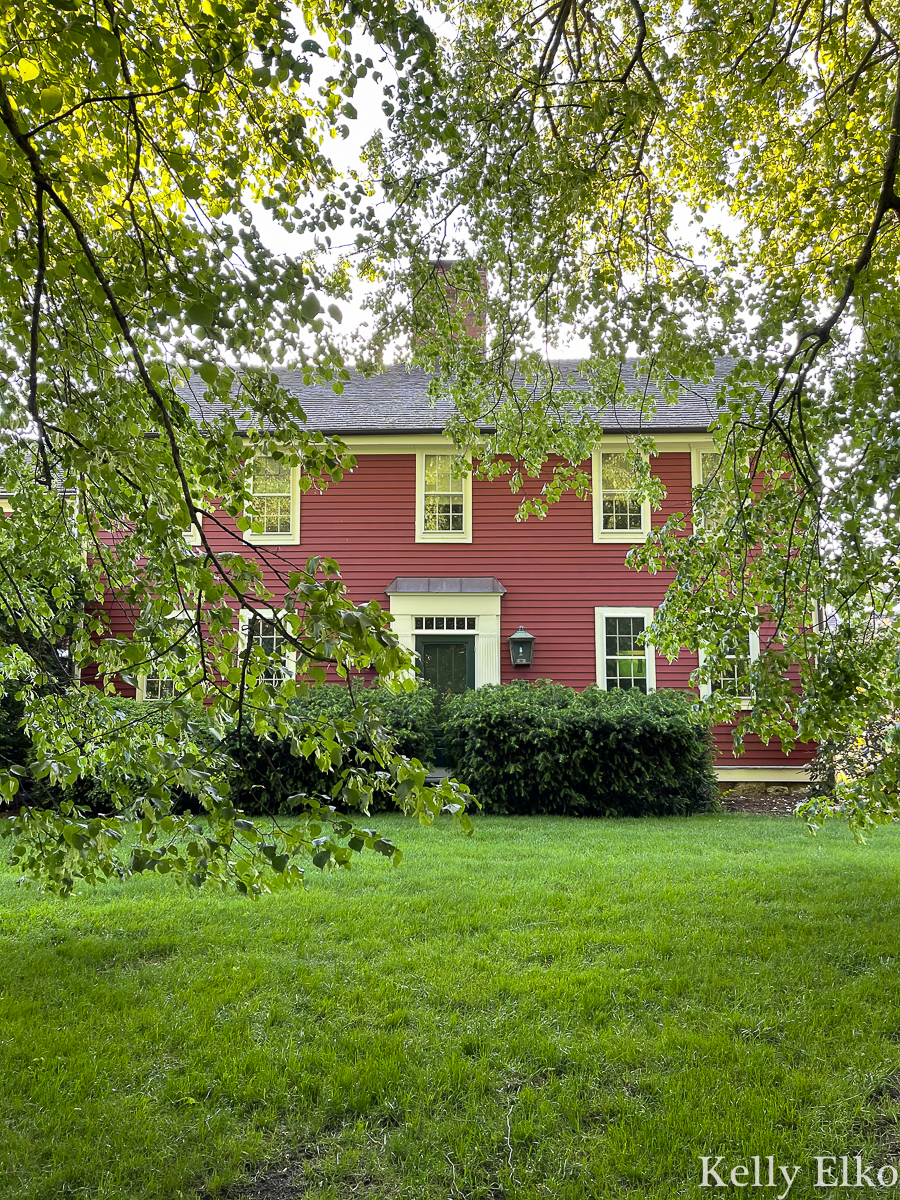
(545, 748)
(119, 787)
(268, 772)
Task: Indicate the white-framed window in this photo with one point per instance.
(442, 624)
(268, 637)
(152, 684)
(443, 498)
(276, 491)
(739, 654)
(619, 515)
(624, 660)
(706, 462)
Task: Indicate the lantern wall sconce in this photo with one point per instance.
(521, 647)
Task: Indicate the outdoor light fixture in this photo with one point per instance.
(521, 647)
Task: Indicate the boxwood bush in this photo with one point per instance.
(545, 748)
(267, 772)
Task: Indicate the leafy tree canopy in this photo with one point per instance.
(679, 180)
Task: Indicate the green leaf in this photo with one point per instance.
(51, 99)
(28, 70)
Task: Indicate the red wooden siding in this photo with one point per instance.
(554, 572)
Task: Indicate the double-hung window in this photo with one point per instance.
(276, 498)
(706, 469)
(152, 684)
(269, 638)
(443, 498)
(740, 653)
(619, 515)
(624, 660)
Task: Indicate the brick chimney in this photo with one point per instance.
(463, 303)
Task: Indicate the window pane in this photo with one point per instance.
(626, 661)
(616, 475)
(271, 478)
(443, 495)
(620, 511)
(709, 465)
(739, 666)
(267, 637)
(158, 689)
(275, 514)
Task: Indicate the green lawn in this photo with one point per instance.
(552, 1008)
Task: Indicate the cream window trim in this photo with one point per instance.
(192, 533)
(282, 539)
(423, 535)
(483, 606)
(621, 536)
(264, 614)
(744, 702)
(600, 615)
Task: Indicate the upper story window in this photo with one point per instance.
(619, 515)
(443, 495)
(276, 492)
(443, 499)
(706, 471)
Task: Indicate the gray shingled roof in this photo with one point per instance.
(397, 401)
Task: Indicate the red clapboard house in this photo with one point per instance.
(459, 573)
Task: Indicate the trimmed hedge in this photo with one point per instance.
(266, 773)
(544, 748)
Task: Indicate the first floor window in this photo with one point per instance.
(267, 636)
(271, 488)
(153, 685)
(738, 657)
(740, 652)
(157, 688)
(444, 623)
(270, 639)
(624, 661)
(444, 492)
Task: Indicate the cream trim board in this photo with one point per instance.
(398, 443)
(423, 535)
(282, 539)
(484, 606)
(600, 615)
(762, 774)
(192, 533)
(613, 535)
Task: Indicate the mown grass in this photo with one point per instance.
(553, 1008)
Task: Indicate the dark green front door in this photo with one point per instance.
(447, 663)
